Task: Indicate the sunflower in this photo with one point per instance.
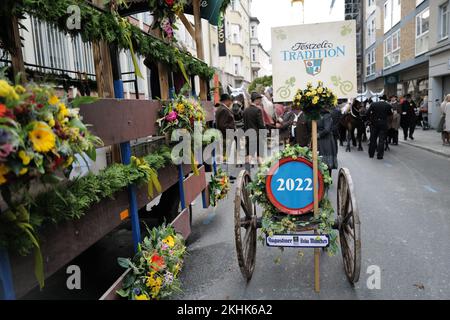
(169, 241)
(42, 137)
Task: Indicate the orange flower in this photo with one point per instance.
(157, 262)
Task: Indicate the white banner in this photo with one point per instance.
(313, 52)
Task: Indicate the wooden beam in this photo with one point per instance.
(102, 63)
(187, 24)
(199, 45)
(17, 58)
(316, 202)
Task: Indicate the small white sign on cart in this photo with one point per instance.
(298, 240)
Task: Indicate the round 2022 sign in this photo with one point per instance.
(290, 186)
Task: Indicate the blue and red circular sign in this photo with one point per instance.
(290, 186)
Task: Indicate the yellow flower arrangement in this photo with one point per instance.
(155, 283)
(42, 137)
(314, 99)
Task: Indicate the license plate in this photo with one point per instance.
(298, 240)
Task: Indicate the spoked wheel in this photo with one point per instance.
(245, 226)
(349, 226)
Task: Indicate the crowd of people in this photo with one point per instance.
(386, 118)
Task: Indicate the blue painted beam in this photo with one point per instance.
(6, 282)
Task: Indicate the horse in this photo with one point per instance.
(240, 99)
(354, 119)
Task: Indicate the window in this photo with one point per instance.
(237, 65)
(422, 28)
(253, 54)
(236, 33)
(392, 14)
(253, 31)
(371, 31)
(370, 69)
(234, 5)
(443, 21)
(387, 16)
(392, 50)
(370, 3)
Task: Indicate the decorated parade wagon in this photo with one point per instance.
(291, 188)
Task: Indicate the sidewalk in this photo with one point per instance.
(429, 140)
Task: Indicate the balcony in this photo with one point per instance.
(256, 65)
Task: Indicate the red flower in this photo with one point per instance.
(170, 2)
(2, 110)
(57, 162)
(157, 262)
(5, 112)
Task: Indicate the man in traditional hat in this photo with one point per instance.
(224, 121)
(253, 119)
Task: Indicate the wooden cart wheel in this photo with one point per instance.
(349, 226)
(245, 226)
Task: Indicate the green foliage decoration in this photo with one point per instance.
(274, 222)
(71, 201)
(102, 25)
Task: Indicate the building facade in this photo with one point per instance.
(260, 58)
(396, 46)
(439, 54)
(354, 10)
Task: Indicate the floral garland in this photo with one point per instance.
(156, 266)
(273, 222)
(100, 25)
(313, 100)
(218, 187)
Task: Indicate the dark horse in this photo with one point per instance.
(354, 119)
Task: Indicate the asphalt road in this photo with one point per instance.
(404, 208)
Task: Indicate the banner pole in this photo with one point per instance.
(316, 202)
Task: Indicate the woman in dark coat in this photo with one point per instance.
(325, 140)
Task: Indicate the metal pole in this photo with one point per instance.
(125, 151)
